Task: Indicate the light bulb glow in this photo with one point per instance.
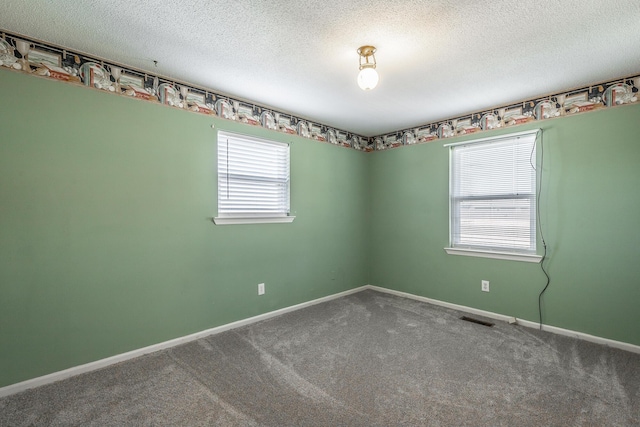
(367, 78)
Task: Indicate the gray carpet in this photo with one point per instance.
(369, 359)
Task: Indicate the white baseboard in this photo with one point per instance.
(99, 364)
(527, 323)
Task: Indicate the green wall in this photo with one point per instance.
(590, 212)
(107, 243)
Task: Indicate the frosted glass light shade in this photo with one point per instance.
(367, 78)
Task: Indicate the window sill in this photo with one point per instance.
(493, 255)
(252, 220)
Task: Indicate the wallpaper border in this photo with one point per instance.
(62, 64)
(67, 65)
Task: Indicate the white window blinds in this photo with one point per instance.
(253, 177)
(493, 194)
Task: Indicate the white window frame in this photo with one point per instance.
(526, 255)
(278, 173)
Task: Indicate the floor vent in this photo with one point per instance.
(479, 322)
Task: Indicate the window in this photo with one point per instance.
(253, 180)
(493, 197)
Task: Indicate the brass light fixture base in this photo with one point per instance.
(366, 50)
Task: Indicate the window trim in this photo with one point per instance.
(485, 253)
(511, 256)
(229, 220)
(250, 218)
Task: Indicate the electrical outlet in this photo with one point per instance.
(485, 286)
(260, 288)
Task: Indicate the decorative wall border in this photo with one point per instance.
(44, 59)
(589, 98)
(29, 55)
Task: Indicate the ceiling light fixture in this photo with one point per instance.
(368, 76)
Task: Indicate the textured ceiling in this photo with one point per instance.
(436, 59)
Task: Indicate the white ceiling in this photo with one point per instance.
(437, 59)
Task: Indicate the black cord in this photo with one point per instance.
(544, 243)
